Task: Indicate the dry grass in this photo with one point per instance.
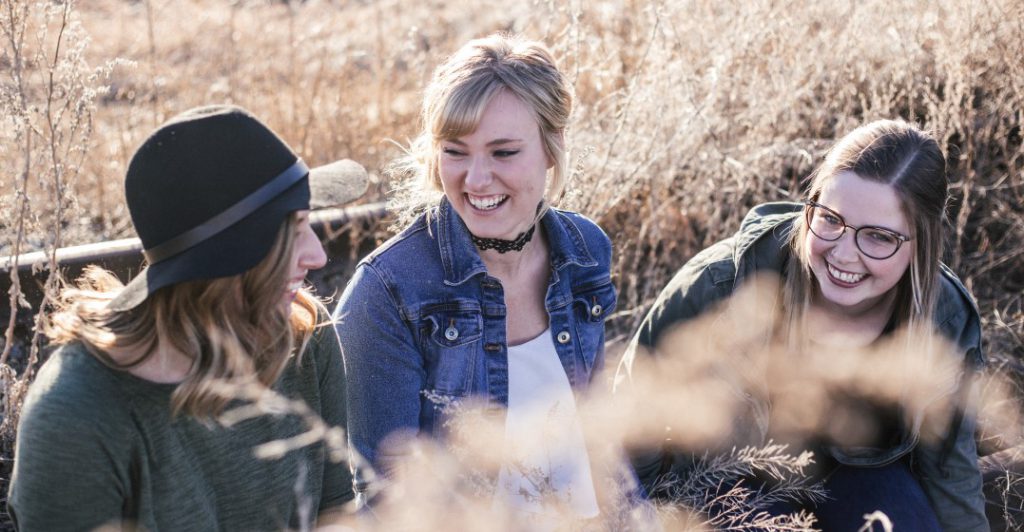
(688, 112)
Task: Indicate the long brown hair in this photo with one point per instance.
(233, 328)
(910, 161)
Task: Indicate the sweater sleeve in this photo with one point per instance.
(337, 482)
(71, 467)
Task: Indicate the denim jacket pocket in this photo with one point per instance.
(591, 305)
(450, 340)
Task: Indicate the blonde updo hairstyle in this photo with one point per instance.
(455, 100)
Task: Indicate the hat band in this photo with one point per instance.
(230, 216)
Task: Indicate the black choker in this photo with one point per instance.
(502, 245)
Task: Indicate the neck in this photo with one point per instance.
(501, 245)
(830, 324)
(509, 264)
(165, 365)
(879, 308)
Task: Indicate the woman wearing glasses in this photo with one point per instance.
(859, 260)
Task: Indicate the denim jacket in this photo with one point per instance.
(948, 472)
(422, 323)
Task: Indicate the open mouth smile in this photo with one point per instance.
(293, 287)
(844, 278)
(486, 203)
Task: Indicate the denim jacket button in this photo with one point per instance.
(596, 310)
(451, 334)
(563, 337)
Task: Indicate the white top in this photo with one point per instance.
(547, 469)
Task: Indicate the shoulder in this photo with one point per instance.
(585, 234)
(707, 276)
(956, 313)
(323, 341)
(417, 238)
(766, 215)
(414, 253)
(73, 378)
(704, 280)
(762, 242)
(767, 226)
(75, 396)
(416, 244)
(711, 275)
(759, 243)
(587, 228)
(319, 368)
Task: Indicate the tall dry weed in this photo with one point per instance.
(48, 101)
(689, 113)
(48, 97)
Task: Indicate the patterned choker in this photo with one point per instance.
(502, 245)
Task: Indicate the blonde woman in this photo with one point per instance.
(859, 260)
(121, 425)
(489, 293)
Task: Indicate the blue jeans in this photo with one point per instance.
(857, 491)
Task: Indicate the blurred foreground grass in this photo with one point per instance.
(688, 112)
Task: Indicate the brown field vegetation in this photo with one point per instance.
(688, 113)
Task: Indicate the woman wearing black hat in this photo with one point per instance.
(123, 425)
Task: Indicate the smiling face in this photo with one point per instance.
(307, 254)
(848, 280)
(495, 176)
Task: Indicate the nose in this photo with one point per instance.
(478, 175)
(310, 251)
(845, 249)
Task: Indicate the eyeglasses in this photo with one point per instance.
(876, 242)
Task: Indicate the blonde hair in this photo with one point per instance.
(910, 161)
(233, 328)
(456, 98)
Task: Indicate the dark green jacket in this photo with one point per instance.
(949, 472)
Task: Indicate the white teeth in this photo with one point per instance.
(294, 285)
(486, 203)
(845, 277)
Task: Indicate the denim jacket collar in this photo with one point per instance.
(461, 260)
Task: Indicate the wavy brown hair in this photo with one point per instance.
(233, 328)
(909, 160)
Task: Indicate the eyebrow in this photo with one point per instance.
(869, 226)
(494, 142)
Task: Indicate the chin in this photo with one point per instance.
(853, 301)
(287, 301)
(492, 232)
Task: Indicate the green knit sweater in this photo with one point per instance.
(98, 446)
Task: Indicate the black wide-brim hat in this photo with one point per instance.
(208, 192)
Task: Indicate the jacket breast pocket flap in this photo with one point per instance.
(595, 304)
(450, 345)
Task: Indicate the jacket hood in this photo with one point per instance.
(761, 244)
